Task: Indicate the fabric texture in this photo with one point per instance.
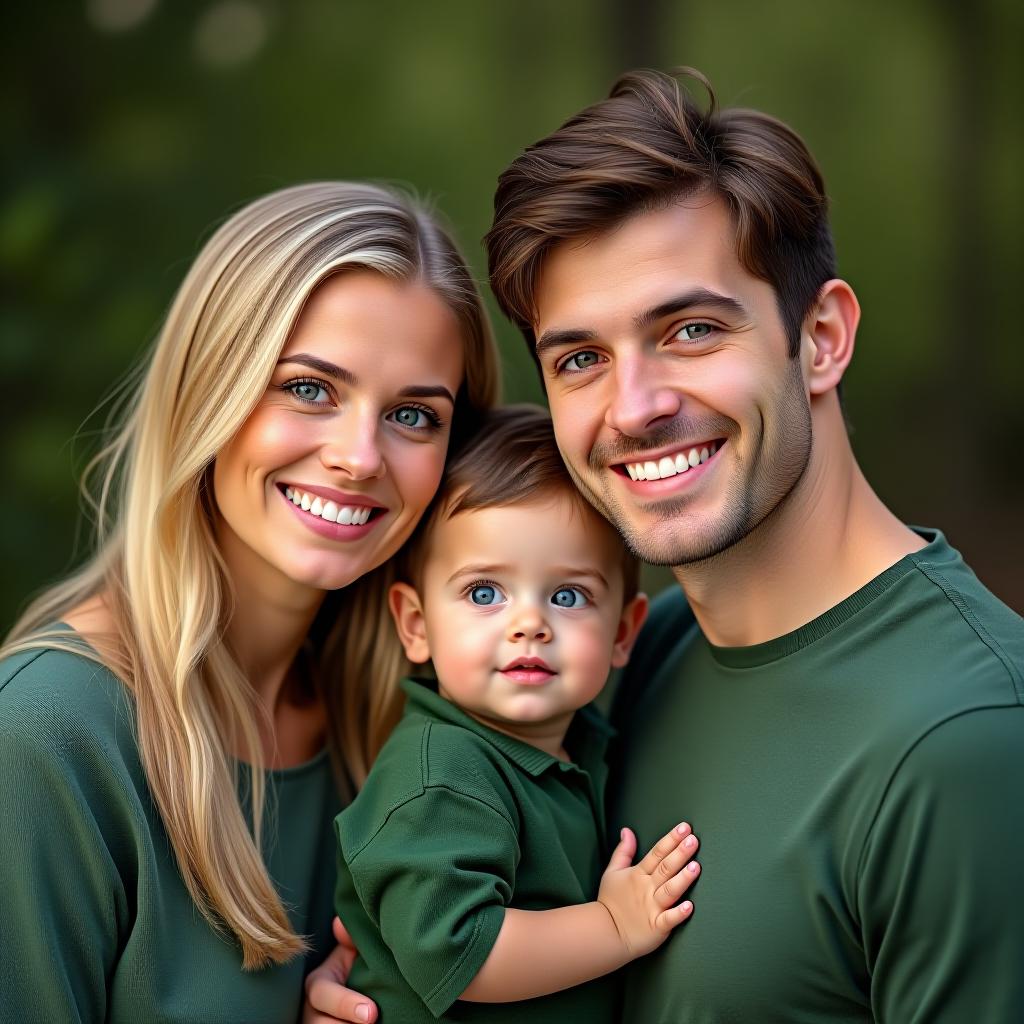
(858, 790)
(97, 924)
(455, 823)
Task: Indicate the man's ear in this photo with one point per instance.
(407, 611)
(828, 337)
(633, 616)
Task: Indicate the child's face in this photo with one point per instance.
(520, 609)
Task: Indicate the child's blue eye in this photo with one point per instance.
(484, 595)
(569, 597)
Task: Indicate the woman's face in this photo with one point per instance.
(332, 470)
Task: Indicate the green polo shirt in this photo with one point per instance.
(456, 822)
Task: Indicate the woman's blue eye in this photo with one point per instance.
(484, 595)
(694, 332)
(580, 361)
(308, 392)
(569, 597)
(410, 416)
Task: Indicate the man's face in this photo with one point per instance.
(655, 346)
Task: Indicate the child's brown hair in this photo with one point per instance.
(513, 459)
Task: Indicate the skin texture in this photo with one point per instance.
(572, 556)
(780, 524)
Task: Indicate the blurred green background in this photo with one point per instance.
(132, 127)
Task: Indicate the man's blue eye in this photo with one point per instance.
(484, 595)
(580, 361)
(308, 392)
(694, 332)
(569, 597)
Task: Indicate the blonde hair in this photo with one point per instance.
(156, 561)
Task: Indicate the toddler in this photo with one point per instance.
(470, 861)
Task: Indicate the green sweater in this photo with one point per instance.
(97, 924)
(858, 790)
(455, 823)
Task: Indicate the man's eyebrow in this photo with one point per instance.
(560, 338)
(349, 378)
(696, 297)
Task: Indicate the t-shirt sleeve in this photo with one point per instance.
(435, 880)
(941, 890)
(60, 888)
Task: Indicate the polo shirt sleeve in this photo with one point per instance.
(435, 880)
(941, 886)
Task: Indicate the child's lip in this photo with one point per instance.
(528, 665)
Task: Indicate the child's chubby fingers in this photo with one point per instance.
(673, 916)
(665, 846)
(623, 854)
(671, 891)
(673, 862)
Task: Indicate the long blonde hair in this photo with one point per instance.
(156, 561)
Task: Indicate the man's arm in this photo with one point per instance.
(540, 952)
(941, 885)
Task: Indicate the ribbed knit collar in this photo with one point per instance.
(756, 655)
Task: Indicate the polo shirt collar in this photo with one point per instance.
(586, 740)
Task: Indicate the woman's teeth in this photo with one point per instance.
(670, 465)
(347, 515)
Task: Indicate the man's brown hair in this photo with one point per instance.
(645, 146)
(513, 460)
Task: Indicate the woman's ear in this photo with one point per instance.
(407, 611)
(633, 616)
(828, 337)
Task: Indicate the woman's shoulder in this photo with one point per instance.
(61, 699)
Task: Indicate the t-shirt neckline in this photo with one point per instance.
(790, 643)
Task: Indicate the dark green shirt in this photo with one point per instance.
(858, 790)
(97, 924)
(456, 822)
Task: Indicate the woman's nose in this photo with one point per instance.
(353, 446)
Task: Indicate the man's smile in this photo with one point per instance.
(659, 465)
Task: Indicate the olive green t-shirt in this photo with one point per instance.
(97, 924)
(858, 789)
(455, 823)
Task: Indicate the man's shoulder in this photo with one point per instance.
(958, 611)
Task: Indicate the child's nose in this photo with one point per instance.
(529, 624)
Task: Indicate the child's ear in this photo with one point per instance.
(407, 611)
(633, 616)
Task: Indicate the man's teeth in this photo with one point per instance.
(671, 465)
(347, 515)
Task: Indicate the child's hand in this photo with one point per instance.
(642, 899)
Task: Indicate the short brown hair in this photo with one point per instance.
(647, 145)
(514, 459)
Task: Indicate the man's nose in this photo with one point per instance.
(352, 445)
(641, 397)
(529, 623)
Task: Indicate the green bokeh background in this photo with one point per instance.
(132, 127)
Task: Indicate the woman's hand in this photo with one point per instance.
(327, 998)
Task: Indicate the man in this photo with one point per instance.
(843, 725)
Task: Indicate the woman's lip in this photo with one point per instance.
(330, 494)
(332, 531)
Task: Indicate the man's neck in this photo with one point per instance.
(830, 537)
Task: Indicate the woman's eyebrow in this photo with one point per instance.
(348, 377)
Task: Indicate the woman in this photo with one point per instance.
(165, 712)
